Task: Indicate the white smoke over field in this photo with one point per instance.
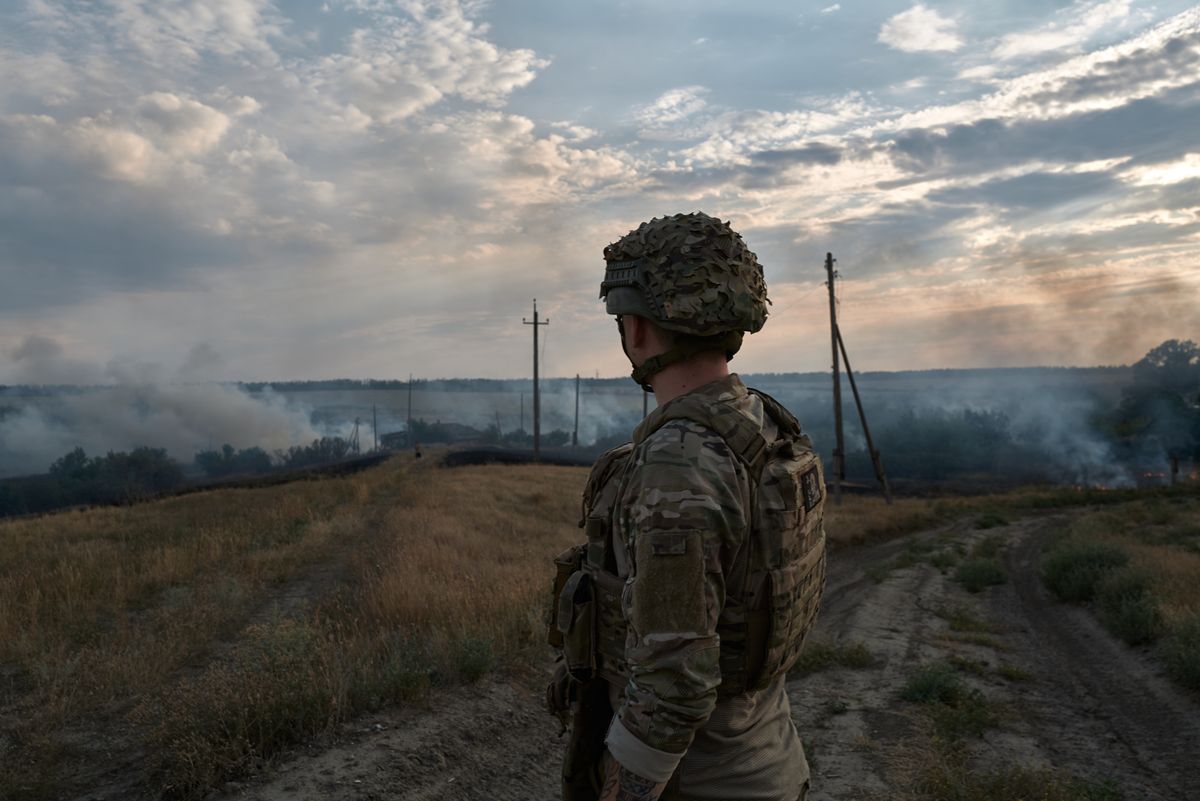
(128, 406)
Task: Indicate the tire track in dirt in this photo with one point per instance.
(843, 715)
(492, 741)
(1098, 688)
(1092, 707)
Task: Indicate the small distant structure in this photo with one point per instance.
(394, 441)
(439, 432)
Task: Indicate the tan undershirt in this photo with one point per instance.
(748, 750)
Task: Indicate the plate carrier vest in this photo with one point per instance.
(773, 582)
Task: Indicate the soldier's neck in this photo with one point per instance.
(682, 377)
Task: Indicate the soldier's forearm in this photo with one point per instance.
(622, 784)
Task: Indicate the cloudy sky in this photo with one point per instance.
(367, 188)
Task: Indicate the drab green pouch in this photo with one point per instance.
(565, 564)
(577, 625)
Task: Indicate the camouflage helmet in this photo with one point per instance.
(689, 273)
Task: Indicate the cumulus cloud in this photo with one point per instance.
(921, 29)
(306, 196)
(1076, 25)
(167, 32)
(672, 106)
(403, 63)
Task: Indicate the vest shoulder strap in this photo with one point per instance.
(741, 434)
(601, 471)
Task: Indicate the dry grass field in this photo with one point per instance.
(209, 630)
(164, 648)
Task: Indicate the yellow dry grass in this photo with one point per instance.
(320, 587)
(221, 626)
(1162, 539)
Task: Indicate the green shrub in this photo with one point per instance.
(474, 658)
(962, 619)
(934, 684)
(990, 520)
(821, 655)
(1074, 567)
(943, 560)
(955, 709)
(1126, 607)
(1013, 673)
(1181, 654)
(954, 780)
(976, 574)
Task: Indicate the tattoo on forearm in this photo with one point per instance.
(623, 784)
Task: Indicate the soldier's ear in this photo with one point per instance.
(637, 328)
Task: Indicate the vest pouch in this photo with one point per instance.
(610, 628)
(566, 563)
(577, 625)
(795, 593)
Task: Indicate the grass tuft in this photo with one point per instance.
(962, 619)
(990, 520)
(475, 658)
(953, 780)
(979, 573)
(1127, 608)
(1013, 673)
(1074, 567)
(956, 710)
(1181, 653)
(821, 655)
(934, 684)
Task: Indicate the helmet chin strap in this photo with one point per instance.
(730, 343)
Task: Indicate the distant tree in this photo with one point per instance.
(321, 451)
(556, 438)
(228, 462)
(74, 466)
(1173, 366)
(137, 473)
(1162, 406)
(518, 436)
(491, 434)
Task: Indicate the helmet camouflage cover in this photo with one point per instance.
(689, 273)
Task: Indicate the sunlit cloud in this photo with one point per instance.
(921, 29)
(374, 188)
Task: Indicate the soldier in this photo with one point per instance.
(705, 556)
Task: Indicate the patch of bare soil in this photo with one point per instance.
(1087, 704)
(491, 741)
(1069, 696)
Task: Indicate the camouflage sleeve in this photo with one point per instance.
(685, 497)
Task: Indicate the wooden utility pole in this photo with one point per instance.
(839, 463)
(876, 459)
(537, 411)
(575, 433)
(408, 426)
(839, 349)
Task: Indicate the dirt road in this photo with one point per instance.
(1067, 697)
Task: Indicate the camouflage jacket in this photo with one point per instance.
(679, 514)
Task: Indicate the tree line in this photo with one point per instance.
(76, 479)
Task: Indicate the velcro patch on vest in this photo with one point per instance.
(668, 592)
(663, 544)
(810, 485)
